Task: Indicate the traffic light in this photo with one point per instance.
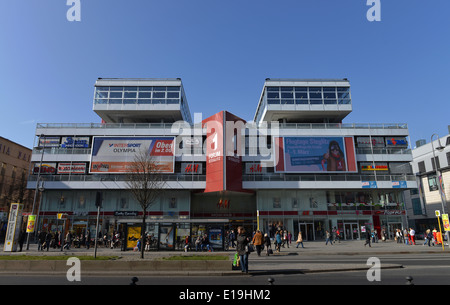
(98, 199)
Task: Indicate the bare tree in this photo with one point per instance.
(146, 182)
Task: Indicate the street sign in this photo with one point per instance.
(438, 213)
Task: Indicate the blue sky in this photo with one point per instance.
(399, 68)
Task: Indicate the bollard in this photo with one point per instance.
(134, 280)
(409, 280)
(270, 280)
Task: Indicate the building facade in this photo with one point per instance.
(295, 166)
(14, 168)
(431, 165)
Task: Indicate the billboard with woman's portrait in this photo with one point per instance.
(315, 154)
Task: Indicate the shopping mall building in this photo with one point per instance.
(295, 165)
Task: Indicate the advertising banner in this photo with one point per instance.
(71, 168)
(445, 222)
(31, 223)
(13, 228)
(115, 155)
(315, 154)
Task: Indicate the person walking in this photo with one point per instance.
(278, 241)
(367, 238)
(300, 239)
(258, 240)
(242, 241)
(88, 239)
(412, 233)
(41, 240)
(67, 241)
(48, 239)
(267, 244)
(328, 236)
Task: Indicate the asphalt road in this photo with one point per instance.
(425, 269)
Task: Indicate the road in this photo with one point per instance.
(425, 269)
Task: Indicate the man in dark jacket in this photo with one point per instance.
(241, 248)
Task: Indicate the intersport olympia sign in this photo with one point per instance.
(115, 155)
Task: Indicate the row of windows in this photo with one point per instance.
(308, 102)
(145, 95)
(144, 89)
(137, 101)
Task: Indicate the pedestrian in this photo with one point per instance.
(406, 236)
(328, 236)
(429, 237)
(300, 239)
(41, 240)
(367, 238)
(267, 244)
(48, 239)
(88, 239)
(338, 235)
(187, 242)
(278, 241)
(412, 233)
(242, 248)
(68, 241)
(198, 243)
(258, 241)
(21, 239)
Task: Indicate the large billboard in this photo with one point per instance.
(115, 155)
(315, 154)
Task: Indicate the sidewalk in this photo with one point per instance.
(129, 262)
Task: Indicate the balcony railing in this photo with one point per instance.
(326, 178)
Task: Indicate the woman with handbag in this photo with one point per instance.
(242, 248)
(299, 239)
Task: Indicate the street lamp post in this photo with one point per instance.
(37, 185)
(439, 148)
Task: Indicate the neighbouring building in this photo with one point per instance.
(429, 197)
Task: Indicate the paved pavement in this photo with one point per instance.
(257, 265)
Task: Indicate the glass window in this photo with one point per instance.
(158, 101)
(173, 101)
(130, 88)
(287, 89)
(101, 101)
(130, 94)
(115, 101)
(273, 101)
(115, 94)
(273, 95)
(159, 94)
(315, 92)
(159, 88)
(287, 101)
(301, 101)
(273, 89)
(301, 95)
(329, 95)
(315, 102)
(287, 95)
(330, 102)
(145, 94)
(129, 101)
(173, 95)
(116, 88)
(343, 89)
(329, 89)
(432, 183)
(173, 88)
(102, 88)
(301, 89)
(101, 94)
(140, 101)
(145, 88)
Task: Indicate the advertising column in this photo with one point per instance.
(13, 229)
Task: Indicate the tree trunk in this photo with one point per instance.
(143, 234)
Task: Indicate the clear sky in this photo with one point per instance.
(399, 68)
